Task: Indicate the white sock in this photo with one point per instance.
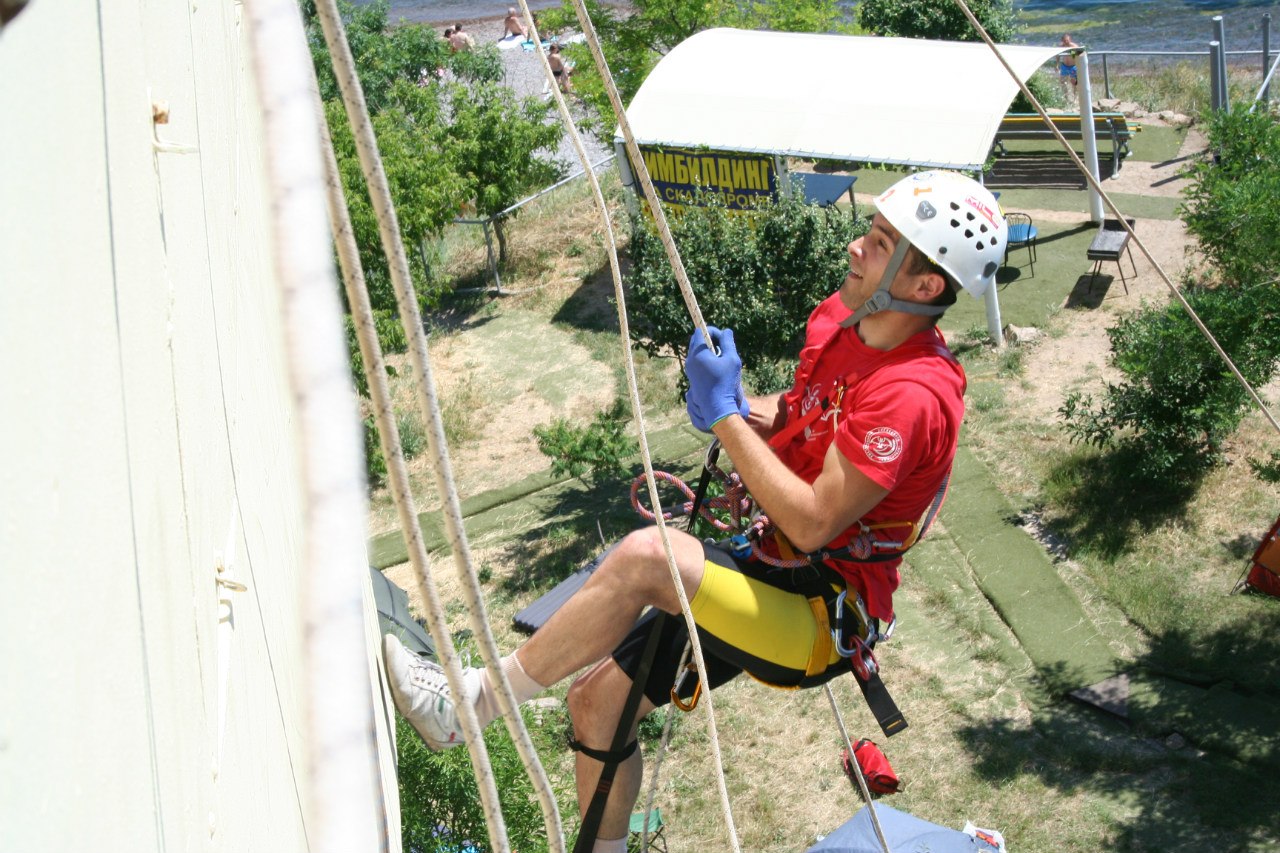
(610, 845)
(524, 687)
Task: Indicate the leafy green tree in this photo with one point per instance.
(440, 807)
(937, 19)
(498, 140)
(761, 274)
(421, 161)
(383, 54)
(634, 41)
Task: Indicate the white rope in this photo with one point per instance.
(857, 769)
(655, 772)
(342, 778)
(406, 301)
(624, 333)
(1093, 182)
(640, 170)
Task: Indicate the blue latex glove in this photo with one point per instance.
(715, 381)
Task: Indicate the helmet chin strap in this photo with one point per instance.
(881, 300)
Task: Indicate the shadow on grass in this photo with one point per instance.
(592, 306)
(1201, 769)
(589, 518)
(1106, 504)
(461, 311)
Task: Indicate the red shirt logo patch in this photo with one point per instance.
(882, 444)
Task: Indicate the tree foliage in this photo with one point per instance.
(1178, 401)
(498, 139)
(444, 138)
(634, 41)
(937, 19)
(761, 274)
(440, 805)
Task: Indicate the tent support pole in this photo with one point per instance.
(1084, 95)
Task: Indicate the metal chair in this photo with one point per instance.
(657, 828)
(1022, 233)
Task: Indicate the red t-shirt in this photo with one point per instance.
(897, 423)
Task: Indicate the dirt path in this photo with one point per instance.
(1062, 363)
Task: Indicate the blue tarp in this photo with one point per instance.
(905, 834)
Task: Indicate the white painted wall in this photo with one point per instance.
(146, 438)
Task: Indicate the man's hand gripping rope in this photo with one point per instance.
(715, 379)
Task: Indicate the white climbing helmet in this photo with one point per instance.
(954, 220)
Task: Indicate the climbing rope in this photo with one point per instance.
(624, 337)
(406, 301)
(342, 776)
(1097, 187)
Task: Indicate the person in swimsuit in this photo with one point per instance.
(559, 68)
(1067, 74)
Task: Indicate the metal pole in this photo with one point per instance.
(1220, 34)
(1106, 78)
(1089, 132)
(1266, 53)
(629, 186)
(1215, 90)
(992, 301)
(493, 263)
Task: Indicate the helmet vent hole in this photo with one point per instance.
(982, 228)
(978, 245)
(942, 250)
(955, 206)
(969, 215)
(993, 241)
(968, 234)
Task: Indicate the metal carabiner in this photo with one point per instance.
(837, 631)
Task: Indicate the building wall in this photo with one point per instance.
(148, 439)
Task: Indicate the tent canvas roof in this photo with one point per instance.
(858, 98)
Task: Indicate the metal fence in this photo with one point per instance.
(487, 223)
(1217, 56)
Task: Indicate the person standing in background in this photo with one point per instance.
(1067, 73)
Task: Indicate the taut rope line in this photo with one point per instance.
(406, 302)
(624, 334)
(1093, 182)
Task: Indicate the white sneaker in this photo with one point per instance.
(422, 695)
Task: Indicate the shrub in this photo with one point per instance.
(1230, 205)
(440, 805)
(592, 453)
(760, 274)
(1178, 401)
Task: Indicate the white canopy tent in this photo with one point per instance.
(859, 98)
(910, 102)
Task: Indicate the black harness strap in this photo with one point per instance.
(619, 750)
(606, 756)
(863, 664)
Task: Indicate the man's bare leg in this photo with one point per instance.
(592, 623)
(595, 704)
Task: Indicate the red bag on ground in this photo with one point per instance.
(875, 768)
(1264, 570)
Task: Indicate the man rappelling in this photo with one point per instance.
(844, 465)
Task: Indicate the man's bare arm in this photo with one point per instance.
(810, 515)
(768, 415)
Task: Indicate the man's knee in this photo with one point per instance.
(592, 708)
